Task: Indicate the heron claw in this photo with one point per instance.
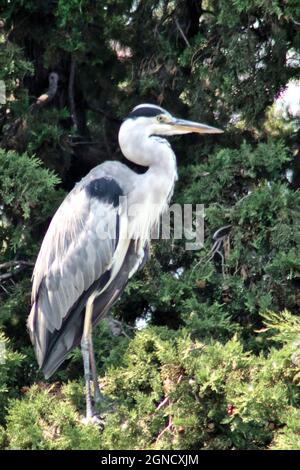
(95, 419)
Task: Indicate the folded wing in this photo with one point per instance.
(80, 253)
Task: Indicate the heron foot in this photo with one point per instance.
(95, 419)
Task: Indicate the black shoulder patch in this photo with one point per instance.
(145, 111)
(106, 190)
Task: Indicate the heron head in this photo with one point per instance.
(158, 121)
(53, 78)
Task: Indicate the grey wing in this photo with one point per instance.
(80, 253)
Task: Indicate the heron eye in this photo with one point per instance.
(160, 118)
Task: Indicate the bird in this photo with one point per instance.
(98, 238)
(16, 133)
(46, 97)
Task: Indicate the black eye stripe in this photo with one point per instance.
(145, 112)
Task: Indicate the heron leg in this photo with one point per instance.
(85, 349)
(97, 394)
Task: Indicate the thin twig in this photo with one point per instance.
(71, 93)
(72, 144)
(163, 403)
(167, 428)
(5, 290)
(295, 22)
(11, 264)
(15, 266)
(182, 33)
(4, 277)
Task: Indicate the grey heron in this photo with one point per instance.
(99, 237)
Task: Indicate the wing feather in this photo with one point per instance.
(77, 250)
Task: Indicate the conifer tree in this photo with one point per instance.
(208, 353)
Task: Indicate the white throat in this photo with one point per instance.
(155, 187)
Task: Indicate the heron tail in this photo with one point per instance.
(52, 348)
(37, 332)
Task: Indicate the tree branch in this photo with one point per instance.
(14, 267)
(182, 33)
(71, 93)
(11, 264)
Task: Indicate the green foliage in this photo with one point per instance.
(284, 327)
(24, 182)
(288, 438)
(27, 196)
(10, 364)
(249, 41)
(47, 132)
(208, 353)
(44, 421)
(173, 392)
(13, 68)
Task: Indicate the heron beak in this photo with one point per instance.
(181, 126)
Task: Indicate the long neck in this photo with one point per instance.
(152, 190)
(162, 174)
(140, 147)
